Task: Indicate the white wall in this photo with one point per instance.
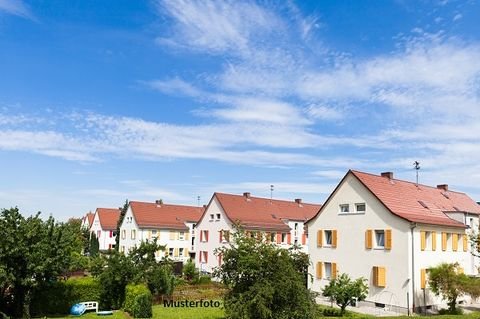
(104, 240)
(213, 226)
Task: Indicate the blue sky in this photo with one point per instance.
(106, 100)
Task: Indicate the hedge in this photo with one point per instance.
(138, 301)
(59, 296)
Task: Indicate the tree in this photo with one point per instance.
(123, 212)
(448, 281)
(265, 281)
(190, 272)
(345, 291)
(33, 252)
(94, 245)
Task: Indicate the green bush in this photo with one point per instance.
(332, 312)
(138, 301)
(203, 280)
(457, 311)
(59, 296)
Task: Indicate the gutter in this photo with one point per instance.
(412, 227)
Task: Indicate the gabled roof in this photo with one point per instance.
(415, 203)
(89, 217)
(264, 213)
(418, 203)
(163, 216)
(108, 217)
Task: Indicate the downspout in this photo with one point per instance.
(412, 227)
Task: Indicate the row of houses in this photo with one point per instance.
(386, 230)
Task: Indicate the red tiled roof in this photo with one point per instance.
(166, 216)
(263, 213)
(420, 204)
(108, 217)
(90, 217)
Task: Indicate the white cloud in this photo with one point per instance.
(458, 16)
(174, 86)
(16, 7)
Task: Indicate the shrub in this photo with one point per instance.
(189, 271)
(59, 296)
(203, 280)
(457, 311)
(332, 312)
(138, 301)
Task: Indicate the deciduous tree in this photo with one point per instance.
(345, 291)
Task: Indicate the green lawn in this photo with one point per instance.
(161, 312)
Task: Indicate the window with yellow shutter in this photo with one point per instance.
(334, 270)
(388, 239)
(465, 242)
(434, 241)
(334, 238)
(423, 240)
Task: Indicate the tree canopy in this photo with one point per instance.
(345, 291)
(265, 281)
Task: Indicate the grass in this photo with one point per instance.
(159, 311)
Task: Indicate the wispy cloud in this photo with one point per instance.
(16, 7)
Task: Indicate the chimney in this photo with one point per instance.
(388, 175)
(298, 201)
(246, 195)
(159, 202)
(443, 186)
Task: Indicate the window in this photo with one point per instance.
(218, 216)
(360, 207)
(211, 217)
(328, 270)
(170, 252)
(272, 237)
(181, 236)
(296, 226)
(284, 238)
(133, 233)
(379, 238)
(344, 208)
(181, 252)
(203, 257)
(204, 236)
(154, 233)
(328, 237)
(224, 236)
(124, 234)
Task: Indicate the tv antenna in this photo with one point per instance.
(198, 200)
(271, 192)
(416, 166)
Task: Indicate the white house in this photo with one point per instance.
(172, 225)
(390, 232)
(104, 226)
(87, 220)
(278, 221)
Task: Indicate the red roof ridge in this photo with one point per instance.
(409, 182)
(266, 198)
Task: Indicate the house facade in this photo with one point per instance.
(172, 226)
(278, 221)
(104, 226)
(390, 232)
(87, 220)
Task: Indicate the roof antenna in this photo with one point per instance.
(416, 166)
(198, 200)
(271, 192)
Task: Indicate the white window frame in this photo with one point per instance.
(325, 232)
(378, 232)
(341, 206)
(360, 211)
(181, 235)
(181, 252)
(212, 217)
(328, 274)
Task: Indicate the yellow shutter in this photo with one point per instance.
(177, 235)
(444, 241)
(172, 235)
(187, 235)
(319, 270)
(434, 240)
(423, 279)
(368, 239)
(166, 251)
(454, 242)
(382, 282)
(334, 238)
(176, 252)
(465, 242)
(185, 252)
(423, 240)
(334, 270)
(319, 238)
(388, 239)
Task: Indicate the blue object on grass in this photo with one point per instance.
(78, 309)
(105, 313)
